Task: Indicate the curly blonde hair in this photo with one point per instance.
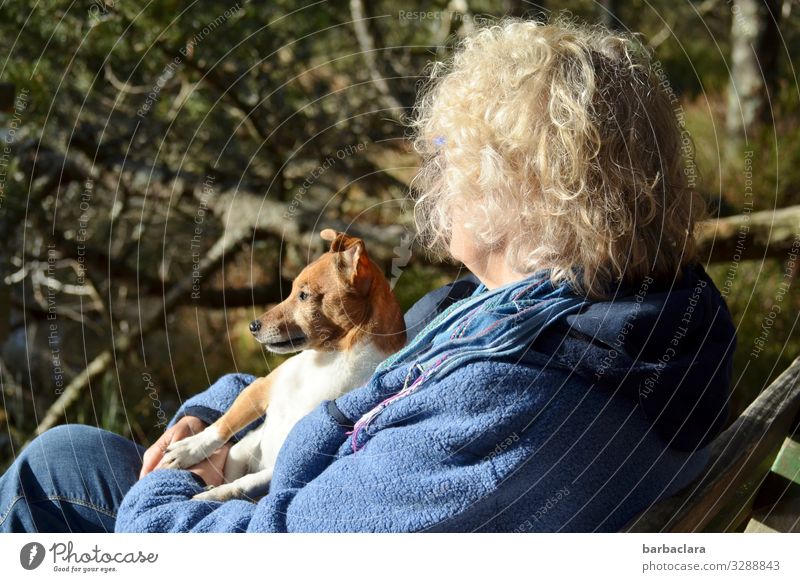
(561, 143)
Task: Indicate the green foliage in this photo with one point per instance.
(755, 294)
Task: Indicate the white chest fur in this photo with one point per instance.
(304, 381)
(311, 376)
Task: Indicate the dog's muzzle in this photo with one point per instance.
(276, 340)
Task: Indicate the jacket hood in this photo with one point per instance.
(667, 345)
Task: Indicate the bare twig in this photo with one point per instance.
(123, 86)
(368, 51)
(666, 31)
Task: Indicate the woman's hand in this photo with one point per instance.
(209, 470)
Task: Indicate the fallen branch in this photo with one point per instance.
(753, 236)
(300, 227)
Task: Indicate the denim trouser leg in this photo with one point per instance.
(72, 478)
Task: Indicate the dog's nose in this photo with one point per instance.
(255, 325)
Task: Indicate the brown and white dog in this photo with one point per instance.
(345, 318)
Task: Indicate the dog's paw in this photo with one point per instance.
(224, 492)
(185, 453)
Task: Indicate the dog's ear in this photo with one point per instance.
(353, 265)
(352, 261)
(340, 241)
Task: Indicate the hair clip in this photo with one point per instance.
(439, 141)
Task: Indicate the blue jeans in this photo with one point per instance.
(72, 478)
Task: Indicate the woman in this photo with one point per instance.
(578, 383)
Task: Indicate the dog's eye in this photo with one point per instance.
(303, 296)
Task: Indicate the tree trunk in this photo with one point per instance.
(609, 14)
(755, 42)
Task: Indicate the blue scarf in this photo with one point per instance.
(497, 324)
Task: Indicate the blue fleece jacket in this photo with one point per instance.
(587, 430)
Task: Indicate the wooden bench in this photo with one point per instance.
(752, 481)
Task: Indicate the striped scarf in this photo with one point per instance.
(497, 324)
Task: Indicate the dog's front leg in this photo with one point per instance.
(251, 487)
(188, 452)
(247, 407)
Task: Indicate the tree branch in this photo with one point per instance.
(368, 51)
(753, 236)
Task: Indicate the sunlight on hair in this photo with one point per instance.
(564, 149)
